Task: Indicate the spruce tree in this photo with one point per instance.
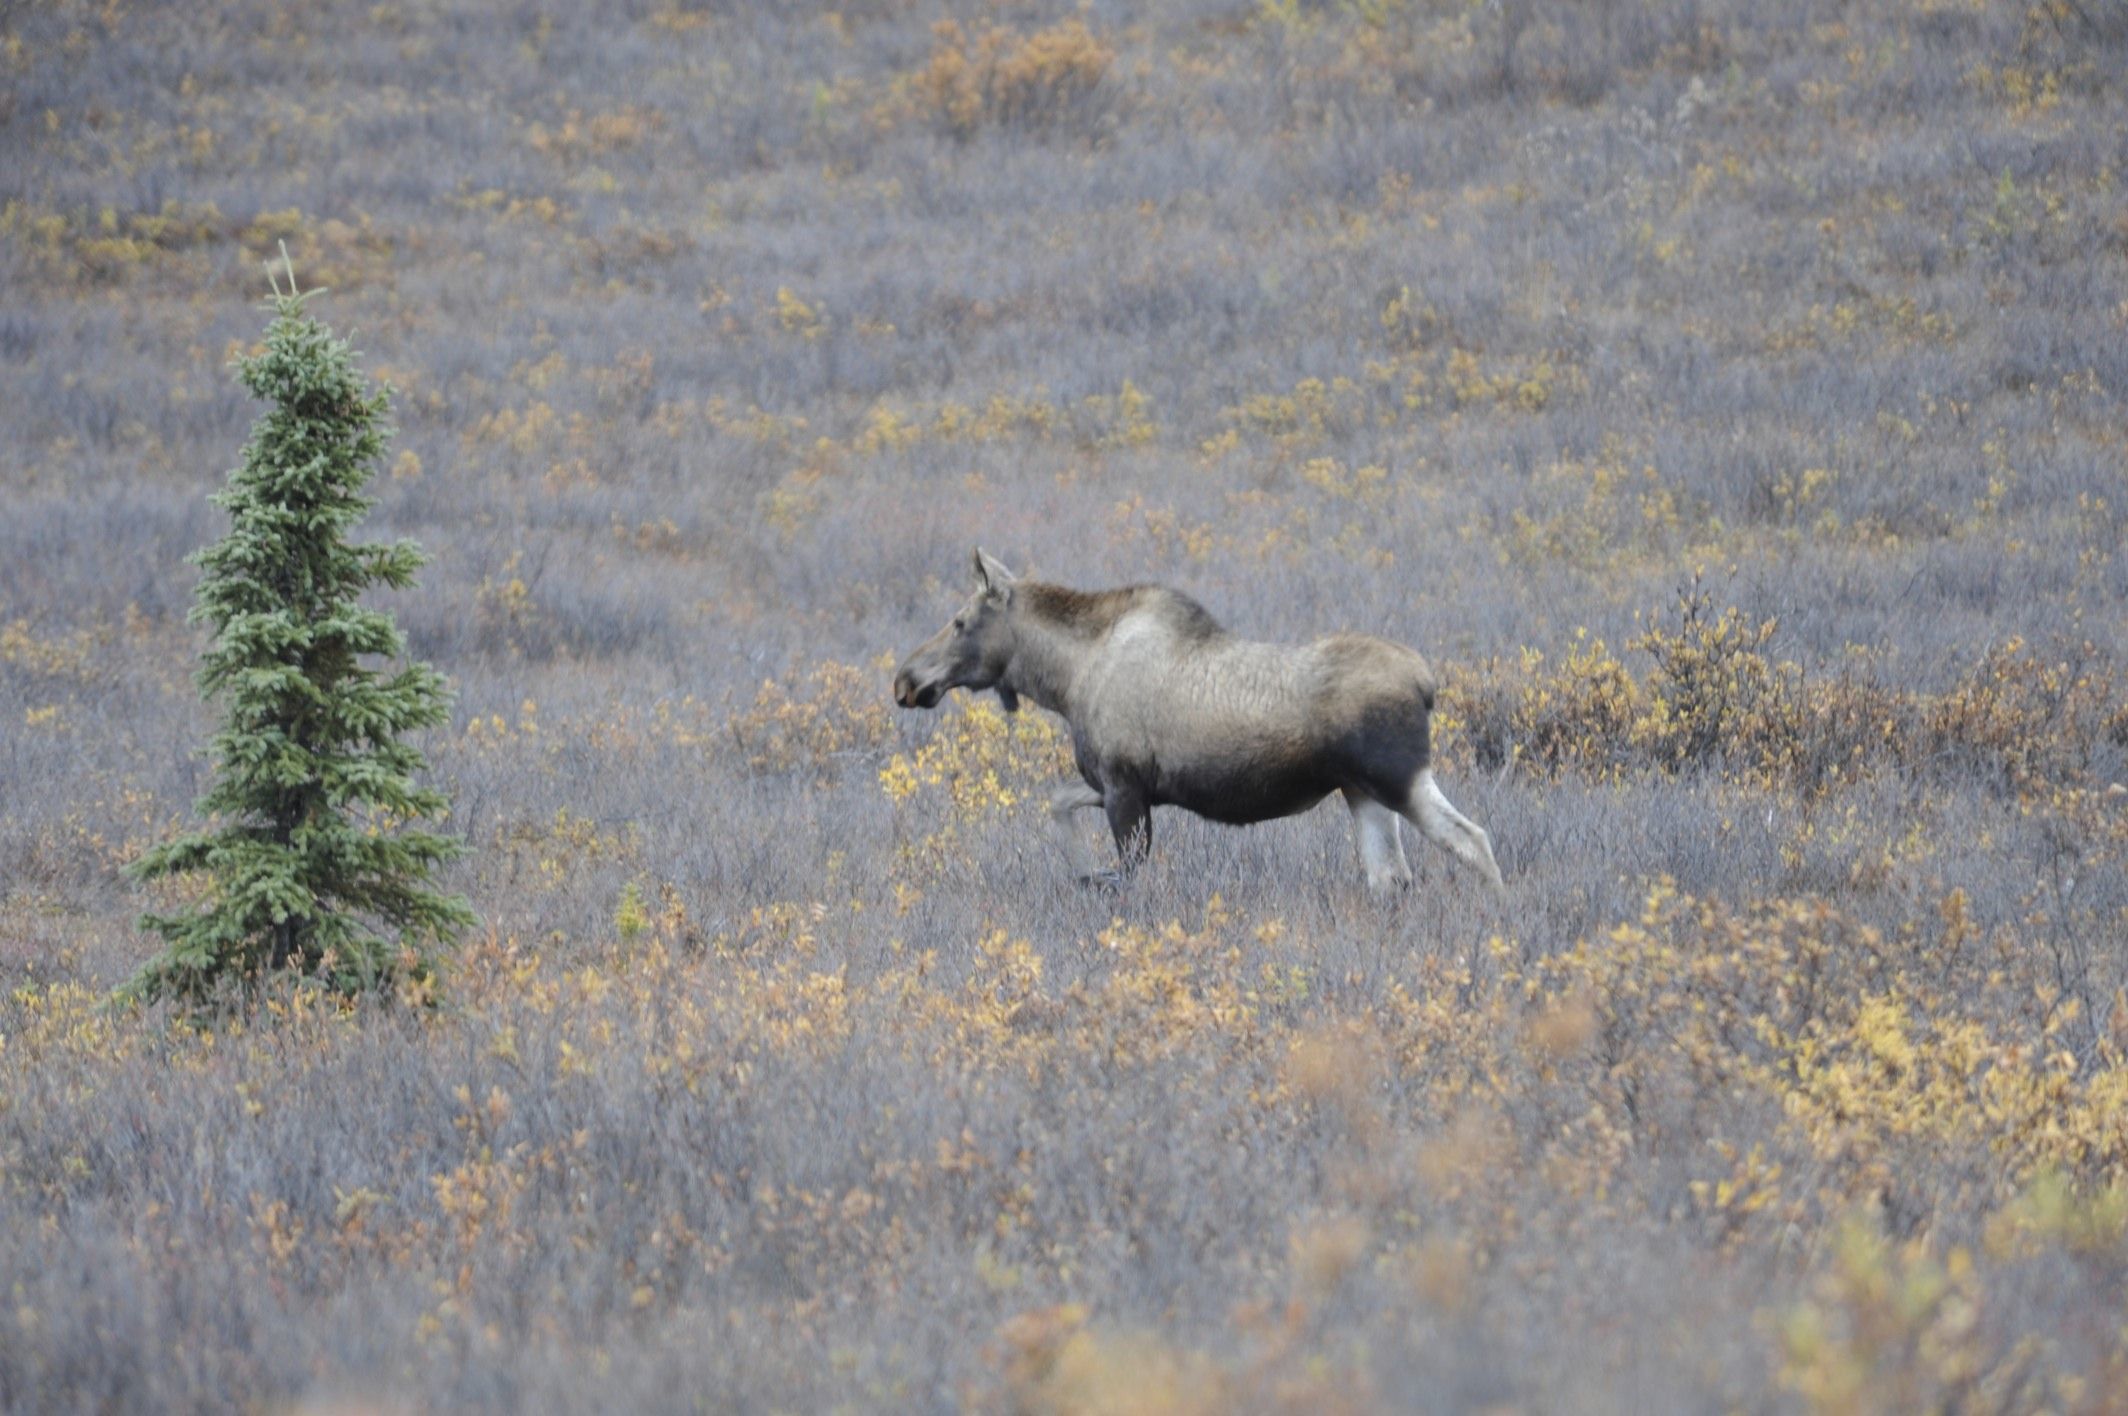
(314, 859)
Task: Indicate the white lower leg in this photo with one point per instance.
(1064, 803)
(1450, 829)
(1381, 849)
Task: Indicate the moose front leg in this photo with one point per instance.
(1064, 803)
(1130, 820)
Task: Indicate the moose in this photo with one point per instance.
(1167, 708)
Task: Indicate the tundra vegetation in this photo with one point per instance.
(1728, 397)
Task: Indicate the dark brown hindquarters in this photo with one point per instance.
(1387, 743)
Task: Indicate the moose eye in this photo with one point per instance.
(960, 625)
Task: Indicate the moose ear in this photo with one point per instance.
(991, 577)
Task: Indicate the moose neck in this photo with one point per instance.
(1054, 630)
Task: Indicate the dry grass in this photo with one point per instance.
(1729, 397)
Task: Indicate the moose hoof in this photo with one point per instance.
(1102, 879)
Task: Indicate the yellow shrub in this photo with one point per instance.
(813, 720)
(1012, 80)
(1715, 697)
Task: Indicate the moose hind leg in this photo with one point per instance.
(1450, 829)
(1380, 841)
